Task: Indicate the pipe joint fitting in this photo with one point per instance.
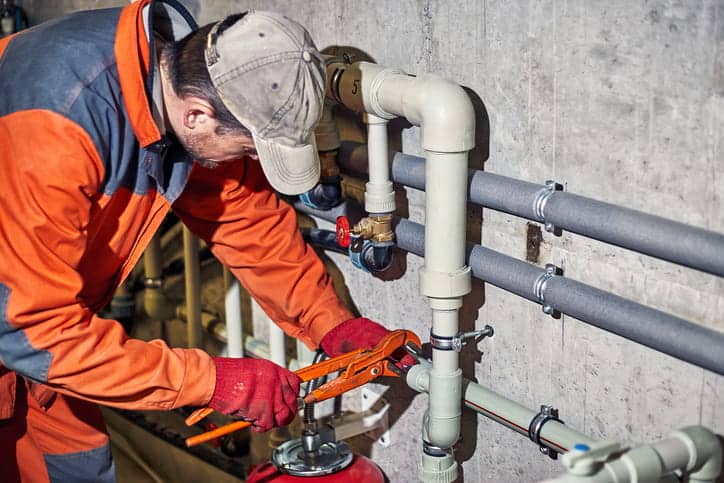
(437, 466)
(324, 196)
(440, 107)
(445, 285)
(375, 106)
(445, 408)
(371, 256)
(418, 376)
(344, 82)
(705, 453)
(379, 197)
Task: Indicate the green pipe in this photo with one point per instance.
(554, 435)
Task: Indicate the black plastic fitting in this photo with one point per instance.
(325, 195)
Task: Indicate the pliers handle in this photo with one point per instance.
(359, 367)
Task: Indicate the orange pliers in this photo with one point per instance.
(359, 367)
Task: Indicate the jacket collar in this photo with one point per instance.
(135, 55)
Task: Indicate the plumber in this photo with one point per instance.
(109, 119)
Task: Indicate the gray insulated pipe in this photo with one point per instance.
(652, 328)
(634, 230)
(658, 330)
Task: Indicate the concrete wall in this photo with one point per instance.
(622, 101)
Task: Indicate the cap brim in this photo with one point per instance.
(291, 170)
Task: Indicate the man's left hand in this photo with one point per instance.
(359, 333)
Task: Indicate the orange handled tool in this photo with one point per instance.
(359, 367)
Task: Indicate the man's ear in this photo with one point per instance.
(197, 112)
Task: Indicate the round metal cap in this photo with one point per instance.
(331, 457)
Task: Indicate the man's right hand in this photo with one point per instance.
(255, 390)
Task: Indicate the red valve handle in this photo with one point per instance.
(343, 232)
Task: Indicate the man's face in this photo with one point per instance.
(210, 149)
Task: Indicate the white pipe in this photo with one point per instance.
(694, 450)
(305, 355)
(379, 193)
(440, 107)
(447, 121)
(276, 345)
(232, 308)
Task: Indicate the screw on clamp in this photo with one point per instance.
(540, 285)
(547, 413)
(460, 340)
(539, 205)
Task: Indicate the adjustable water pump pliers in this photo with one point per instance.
(359, 367)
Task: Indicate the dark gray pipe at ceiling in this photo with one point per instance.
(652, 328)
(634, 230)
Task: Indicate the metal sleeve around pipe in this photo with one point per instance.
(634, 230)
(658, 330)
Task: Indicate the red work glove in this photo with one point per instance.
(359, 333)
(255, 390)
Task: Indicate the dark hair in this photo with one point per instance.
(187, 72)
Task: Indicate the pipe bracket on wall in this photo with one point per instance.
(547, 413)
(460, 340)
(540, 287)
(539, 204)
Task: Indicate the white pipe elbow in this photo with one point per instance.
(705, 453)
(440, 107)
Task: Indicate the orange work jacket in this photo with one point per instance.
(85, 180)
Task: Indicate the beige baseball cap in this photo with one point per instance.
(271, 77)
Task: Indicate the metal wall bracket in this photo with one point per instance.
(539, 205)
(547, 413)
(540, 286)
(372, 421)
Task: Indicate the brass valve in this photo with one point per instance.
(377, 228)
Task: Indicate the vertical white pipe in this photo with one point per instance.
(232, 308)
(444, 280)
(446, 183)
(379, 193)
(276, 345)
(192, 272)
(446, 117)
